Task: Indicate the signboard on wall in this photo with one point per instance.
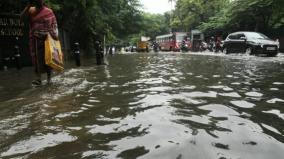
(11, 26)
(13, 32)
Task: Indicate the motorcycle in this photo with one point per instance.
(219, 46)
(203, 46)
(211, 46)
(156, 47)
(184, 47)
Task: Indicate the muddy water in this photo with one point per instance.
(168, 106)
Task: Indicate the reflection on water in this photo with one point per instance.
(149, 106)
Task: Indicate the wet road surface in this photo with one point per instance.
(152, 106)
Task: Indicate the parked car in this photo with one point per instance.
(250, 43)
(133, 49)
(130, 48)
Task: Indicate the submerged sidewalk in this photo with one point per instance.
(14, 82)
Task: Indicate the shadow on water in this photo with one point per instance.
(149, 106)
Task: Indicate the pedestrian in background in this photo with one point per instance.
(218, 44)
(42, 22)
(6, 59)
(278, 42)
(102, 53)
(99, 53)
(17, 54)
(77, 54)
(110, 50)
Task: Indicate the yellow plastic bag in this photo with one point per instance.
(53, 54)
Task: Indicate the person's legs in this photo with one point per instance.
(37, 81)
(98, 58)
(37, 63)
(48, 72)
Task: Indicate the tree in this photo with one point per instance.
(189, 14)
(151, 25)
(225, 16)
(254, 15)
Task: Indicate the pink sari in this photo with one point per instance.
(43, 21)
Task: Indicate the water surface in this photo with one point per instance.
(167, 105)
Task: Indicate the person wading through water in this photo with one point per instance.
(42, 22)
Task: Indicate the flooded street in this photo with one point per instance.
(148, 106)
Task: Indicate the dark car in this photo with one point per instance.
(250, 43)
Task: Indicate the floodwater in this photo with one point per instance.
(148, 106)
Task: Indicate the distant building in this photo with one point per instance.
(196, 35)
(144, 38)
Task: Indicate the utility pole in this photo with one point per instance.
(171, 13)
(104, 44)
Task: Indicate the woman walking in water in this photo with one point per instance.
(42, 22)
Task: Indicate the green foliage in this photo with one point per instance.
(150, 25)
(154, 24)
(90, 20)
(229, 15)
(191, 13)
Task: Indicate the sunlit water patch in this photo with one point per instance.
(37, 143)
(243, 104)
